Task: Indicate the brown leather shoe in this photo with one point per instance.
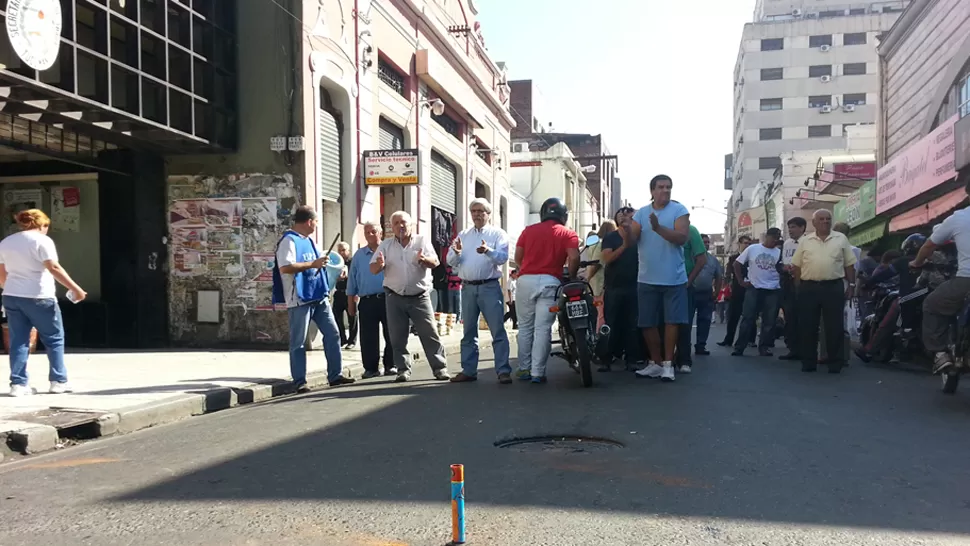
(505, 379)
(462, 378)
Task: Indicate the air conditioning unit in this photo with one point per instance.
(825, 109)
(825, 48)
(520, 147)
(826, 79)
(796, 12)
(848, 108)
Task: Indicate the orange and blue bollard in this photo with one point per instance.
(457, 504)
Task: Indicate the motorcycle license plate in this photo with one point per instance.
(576, 309)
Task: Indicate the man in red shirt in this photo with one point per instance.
(541, 252)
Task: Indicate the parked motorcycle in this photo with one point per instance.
(576, 313)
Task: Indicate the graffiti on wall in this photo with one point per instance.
(223, 233)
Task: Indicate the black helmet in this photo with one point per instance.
(553, 209)
(912, 244)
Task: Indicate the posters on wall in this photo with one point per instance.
(226, 265)
(188, 251)
(15, 201)
(223, 212)
(66, 209)
(187, 213)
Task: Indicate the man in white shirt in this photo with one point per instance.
(762, 292)
(407, 260)
(948, 299)
(796, 228)
(477, 255)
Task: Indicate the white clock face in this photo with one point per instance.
(34, 29)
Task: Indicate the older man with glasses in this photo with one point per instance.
(477, 255)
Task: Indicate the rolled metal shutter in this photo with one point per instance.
(389, 136)
(444, 183)
(329, 157)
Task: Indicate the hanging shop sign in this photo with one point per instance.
(34, 30)
(392, 167)
(961, 140)
(751, 222)
(921, 167)
(872, 231)
(859, 207)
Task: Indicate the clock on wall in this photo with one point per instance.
(34, 29)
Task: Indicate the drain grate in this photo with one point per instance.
(560, 444)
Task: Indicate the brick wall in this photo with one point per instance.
(521, 101)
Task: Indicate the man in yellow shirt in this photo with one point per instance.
(821, 265)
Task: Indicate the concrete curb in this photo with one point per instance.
(25, 438)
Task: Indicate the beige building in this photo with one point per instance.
(417, 53)
(539, 175)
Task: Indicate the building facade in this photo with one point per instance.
(924, 139)
(554, 172)
(174, 153)
(784, 10)
(800, 82)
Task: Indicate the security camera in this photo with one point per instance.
(437, 107)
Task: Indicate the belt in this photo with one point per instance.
(389, 291)
(829, 281)
(372, 296)
(478, 283)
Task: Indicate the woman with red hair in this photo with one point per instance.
(28, 270)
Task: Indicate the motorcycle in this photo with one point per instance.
(576, 314)
(960, 349)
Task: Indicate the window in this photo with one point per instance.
(854, 69)
(831, 13)
(855, 38)
(819, 41)
(391, 77)
(770, 134)
(768, 74)
(773, 44)
(963, 89)
(857, 11)
(819, 70)
(771, 104)
(819, 101)
(858, 99)
(819, 131)
(845, 127)
(449, 125)
(769, 162)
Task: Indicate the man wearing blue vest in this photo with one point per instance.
(300, 281)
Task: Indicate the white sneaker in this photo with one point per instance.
(20, 390)
(60, 388)
(668, 372)
(653, 371)
(684, 369)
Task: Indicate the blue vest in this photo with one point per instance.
(311, 285)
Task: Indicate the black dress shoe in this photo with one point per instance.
(737, 352)
(789, 356)
(702, 352)
(724, 343)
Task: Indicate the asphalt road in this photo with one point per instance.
(746, 451)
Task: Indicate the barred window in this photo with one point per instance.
(388, 74)
(447, 123)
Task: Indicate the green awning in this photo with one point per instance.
(868, 232)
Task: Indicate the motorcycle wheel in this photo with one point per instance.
(951, 380)
(585, 358)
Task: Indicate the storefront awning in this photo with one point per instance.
(843, 174)
(868, 232)
(924, 214)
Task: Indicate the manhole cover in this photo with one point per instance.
(560, 444)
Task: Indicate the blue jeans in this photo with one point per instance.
(454, 303)
(44, 315)
(485, 299)
(704, 305)
(322, 316)
(759, 301)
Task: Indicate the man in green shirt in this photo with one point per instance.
(695, 257)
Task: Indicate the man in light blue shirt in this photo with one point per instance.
(477, 256)
(660, 231)
(365, 294)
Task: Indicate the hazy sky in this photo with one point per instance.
(654, 77)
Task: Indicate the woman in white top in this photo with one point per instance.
(28, 269)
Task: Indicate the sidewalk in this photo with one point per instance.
(121, 392)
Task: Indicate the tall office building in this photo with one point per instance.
(806, 70)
